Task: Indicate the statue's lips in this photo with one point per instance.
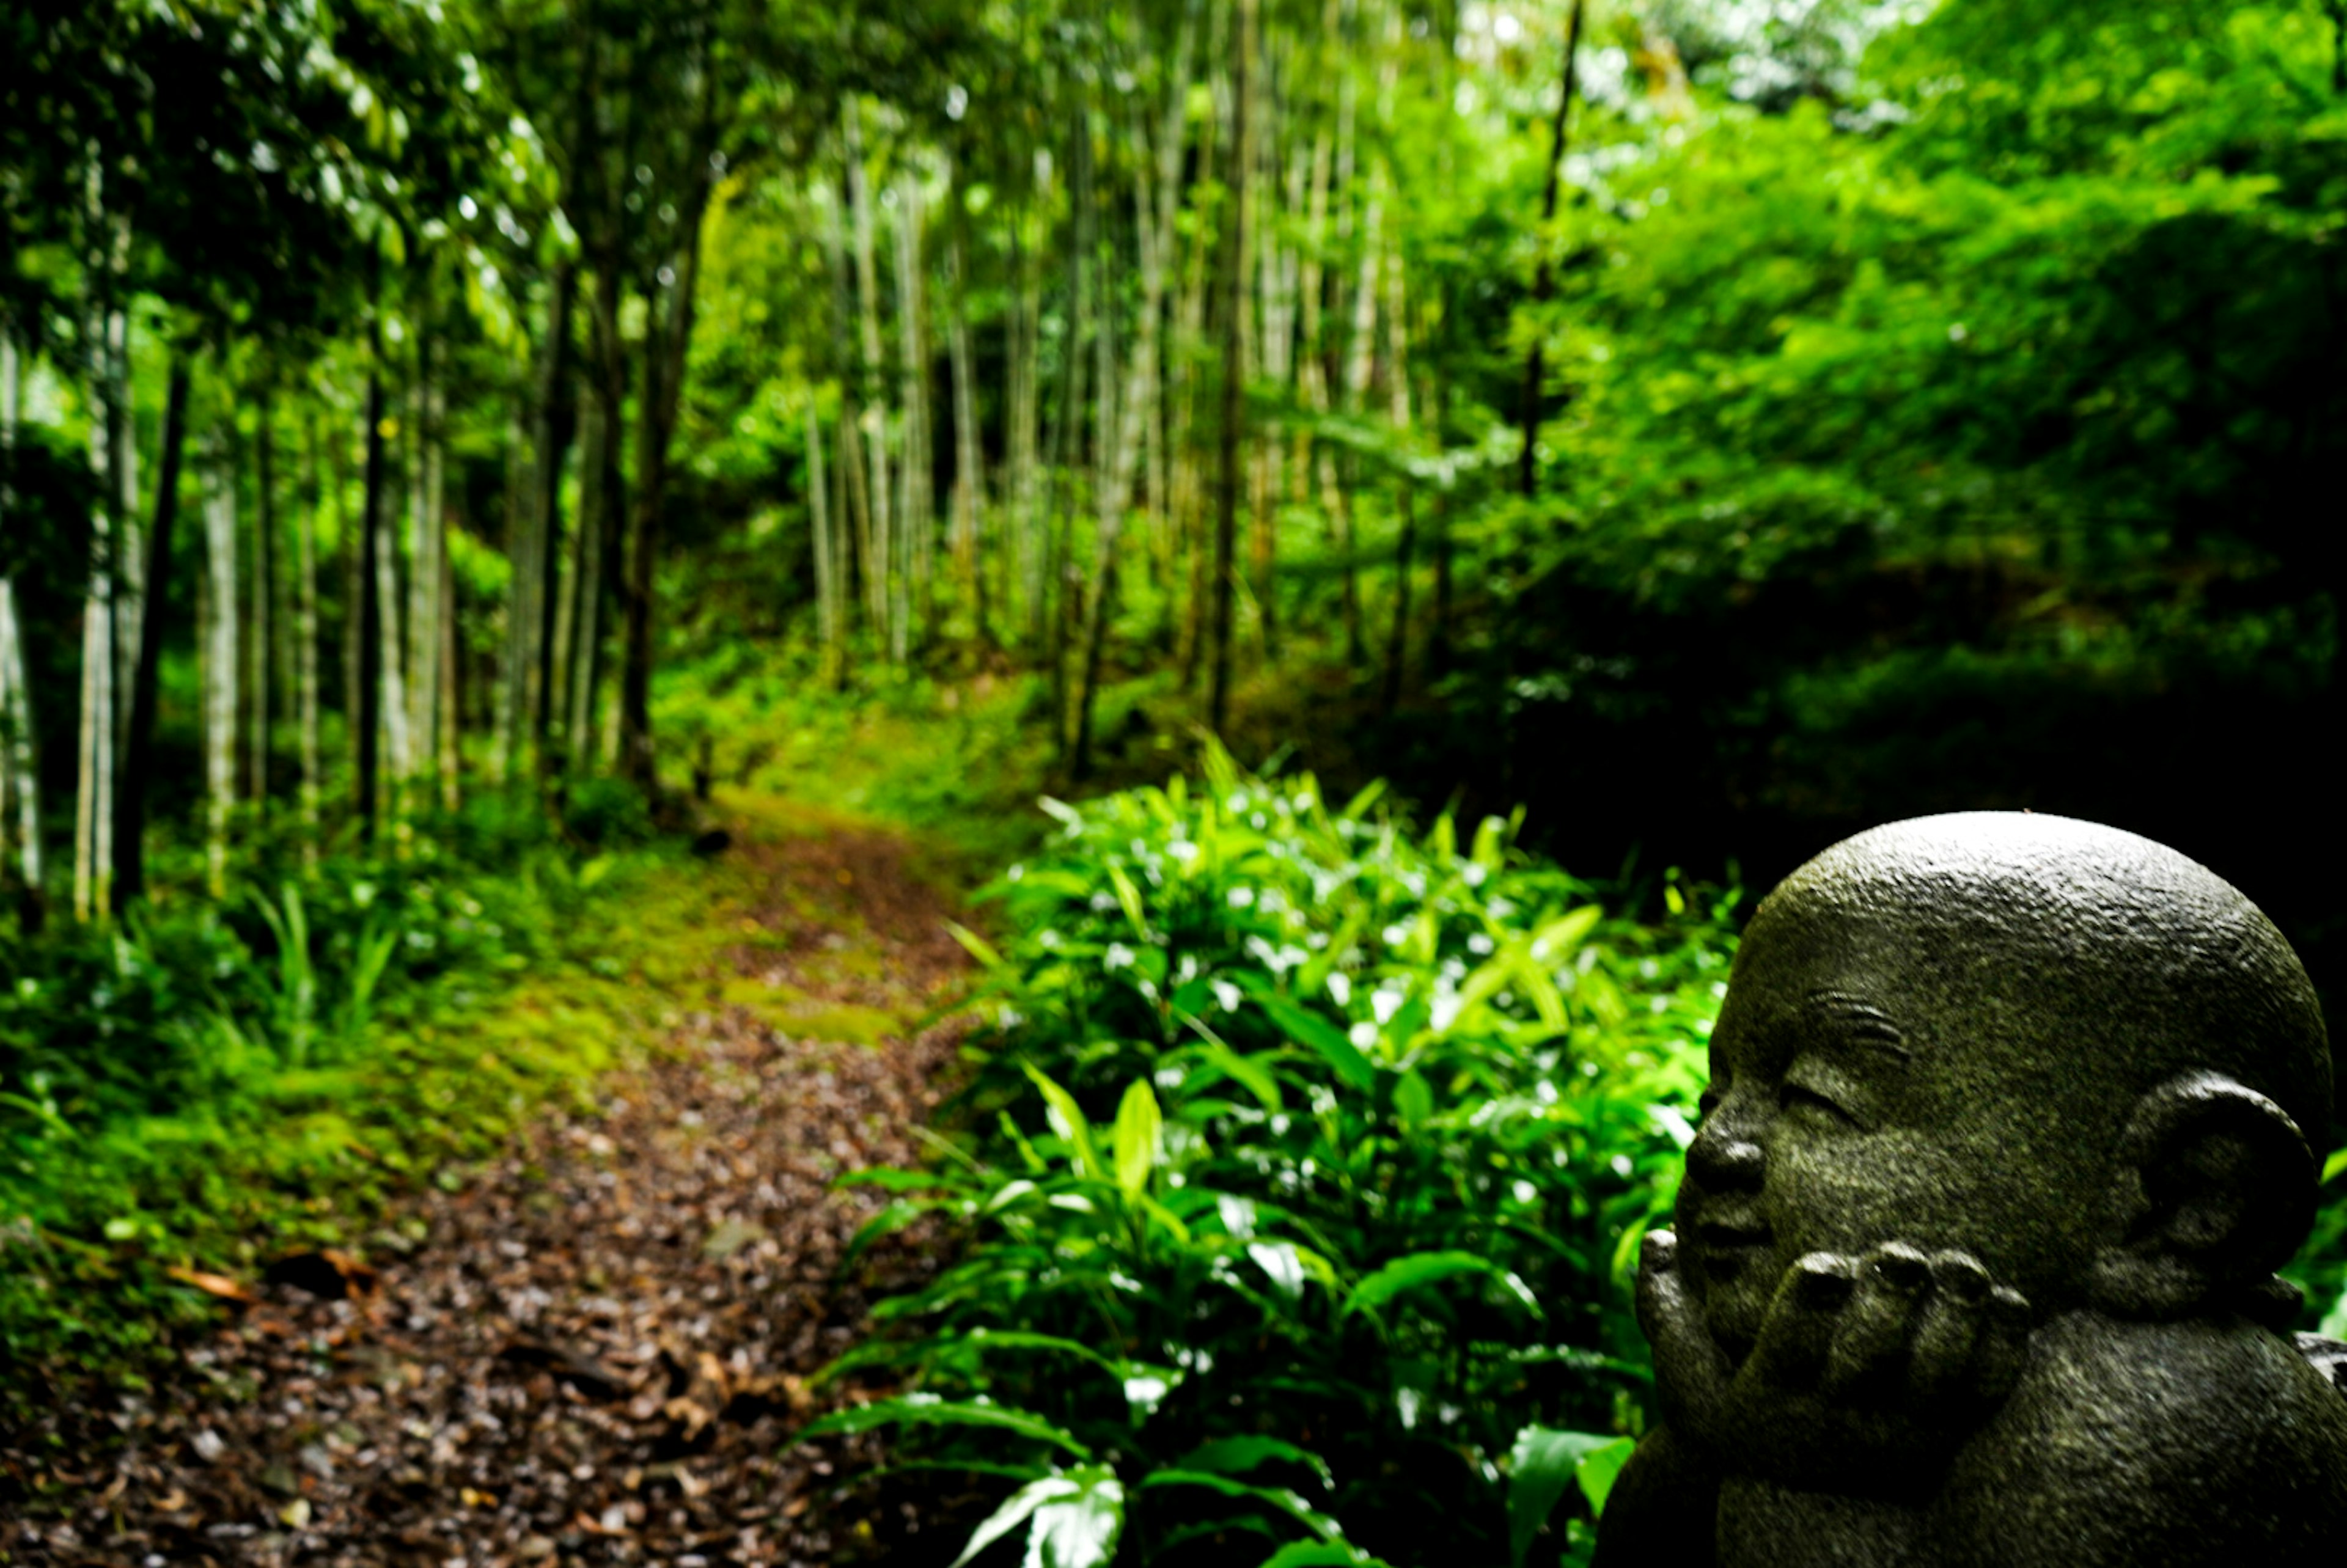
(1730, 1236)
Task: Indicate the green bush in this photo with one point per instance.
(1314, 1155)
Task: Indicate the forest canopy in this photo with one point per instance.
(1840, 408)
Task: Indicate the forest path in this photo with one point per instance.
(597, 1346)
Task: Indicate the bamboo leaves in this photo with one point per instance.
(1221, 1193)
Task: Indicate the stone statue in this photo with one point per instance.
(2008, 1130)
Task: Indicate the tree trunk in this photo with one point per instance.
(305, 647)
(583, 636)
(428, 581)
(917, 486)
(1234, 345)
(399, 750)
(129, 836)
(858, 573)
(969, 483)
(1269, 267)
(1067, 443)
(1359, 362)
(1187, 540)
(1023, 445)
(828, 606)
(263, 638)
(520, 554)
(220, 650)
(20, 775)
(1438, 650)
(445, 728)
(880, 559)
(1544, 275)
(423, 641)
(366, 716)
(94, 797)
(1398, 330)
(558, 424)
(667, 347)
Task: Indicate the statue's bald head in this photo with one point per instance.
(2144, 963)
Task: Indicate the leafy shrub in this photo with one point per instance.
(1314, 1155)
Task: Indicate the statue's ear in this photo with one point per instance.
(2213, 1189)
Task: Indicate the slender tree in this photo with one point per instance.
(1235, 344)
(305, 647)
(129, 828)
(222, 651)
(260, 684)
(20, 777)
(366, 707)
(1544, 273)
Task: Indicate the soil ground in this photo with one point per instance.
(597, 1348)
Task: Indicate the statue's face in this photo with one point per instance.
(1880, 1075)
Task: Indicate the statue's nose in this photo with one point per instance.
(1723, 1155)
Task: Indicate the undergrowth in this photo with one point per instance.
(1309, 1154)
(202, 1086)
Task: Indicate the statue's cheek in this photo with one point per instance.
(1842, 1193)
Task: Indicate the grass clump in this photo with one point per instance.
(1311, 1155)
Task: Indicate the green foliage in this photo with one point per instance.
(1313, 1151)
(203, 1081)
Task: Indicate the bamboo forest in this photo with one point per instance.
(793, 782)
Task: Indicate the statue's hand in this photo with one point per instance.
(1869, 1372)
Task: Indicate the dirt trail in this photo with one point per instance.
(598, 1347)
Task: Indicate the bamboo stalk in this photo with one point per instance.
(221, 645)
(1234, 340)
(881, 559)
(306, 643)
(20, 776)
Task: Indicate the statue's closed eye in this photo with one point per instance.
(1801, 1097)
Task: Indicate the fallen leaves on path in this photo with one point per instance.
(595, 1349)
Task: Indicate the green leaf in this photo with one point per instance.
(1078, 1529)
(1554, 943)
(1321, 1554)
(2333, 1166)
(974, 945)
(887, 1223)
(1138, 1122)
(1308, 1029)
(893, 1178)
(1598, 1469)
(1127, 898)
(1275, 1497)
(1541, 1465)
(1013, 1514)
(1237, 1456)
(1068, 1121)
(1423, 1268)
(927, 1409)
(1019, 1339)
(1247, 1072)
(1491, 844)
(1413, 1100)
(1281, 1261)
